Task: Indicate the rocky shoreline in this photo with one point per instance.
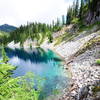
(86, 75)
(85, 72)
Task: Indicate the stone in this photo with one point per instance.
(83, 92)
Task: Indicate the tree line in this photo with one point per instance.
(34, 31)
(40, 31)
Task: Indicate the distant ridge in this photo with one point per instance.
(7, 28)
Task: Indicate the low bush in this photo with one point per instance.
(98, 61)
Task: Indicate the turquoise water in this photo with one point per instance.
(43, 63)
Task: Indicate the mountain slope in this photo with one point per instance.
(7, 28)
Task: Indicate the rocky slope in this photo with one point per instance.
(81, 60)
(85, 74)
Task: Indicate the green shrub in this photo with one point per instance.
(20, 88)
(5, 58)
(75, 21)
(98, 61)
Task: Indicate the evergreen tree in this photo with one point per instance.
(73, 13)
(77, 8)
(69, 16)
(58, 22)
(88, 3)
(5, 58)
(81, 10)
(53, 23)
(63, 20)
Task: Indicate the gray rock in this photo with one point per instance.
(83, 92)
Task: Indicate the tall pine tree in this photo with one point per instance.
(77, 8)
(81, 9)
(63, 20)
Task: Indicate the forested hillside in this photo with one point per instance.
(88, 12)
(34, 31)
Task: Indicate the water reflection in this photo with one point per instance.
(38, 55)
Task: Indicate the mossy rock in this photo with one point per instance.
(88, 45)
(96, 89)
(65, 37)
